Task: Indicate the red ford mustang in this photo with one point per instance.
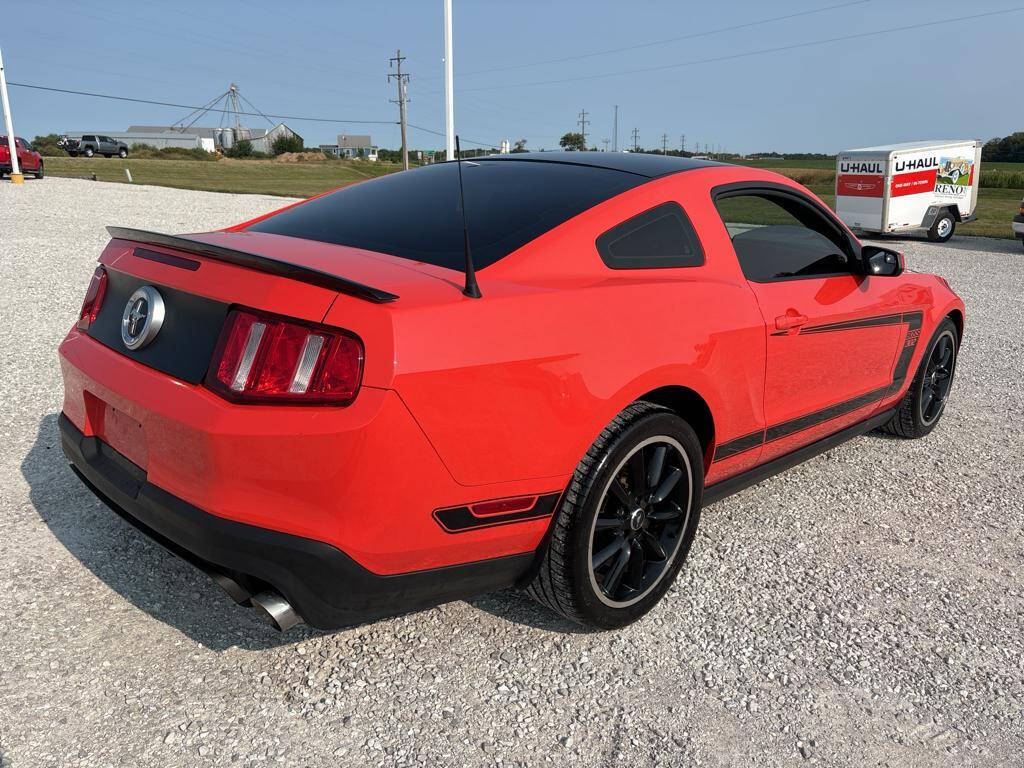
(311, 408)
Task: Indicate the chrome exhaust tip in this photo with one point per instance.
(235, 591)
(276, 611)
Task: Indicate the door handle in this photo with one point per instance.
(792, 319)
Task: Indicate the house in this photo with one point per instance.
(352, 146)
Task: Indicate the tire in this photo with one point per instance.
(918, 414)
(73, 154)
(943, 227)
(39, 171)
(89, 152)
(122, 153)
(577, 577)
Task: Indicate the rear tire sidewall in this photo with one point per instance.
(39, 173)
(122, 154)
(89, 153)
(594, 610)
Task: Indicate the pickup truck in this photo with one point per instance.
(92, 144)
(29, 161)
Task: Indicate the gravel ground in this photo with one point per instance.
(866, 608)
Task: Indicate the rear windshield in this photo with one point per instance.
(415, 214)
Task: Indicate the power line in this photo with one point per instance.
(228, 111)
(666, 40)
(462, 138)
(747, 54)
(192, 107)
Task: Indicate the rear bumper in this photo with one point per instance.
(362, 479)
(325, 586)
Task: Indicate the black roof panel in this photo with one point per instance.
(630, 162)
(416, 214)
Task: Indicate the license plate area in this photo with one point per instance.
(118, 430)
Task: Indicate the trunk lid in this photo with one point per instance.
(200, 281)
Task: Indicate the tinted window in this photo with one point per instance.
(416, 214)
(781, 238)
(660, 237)
(88, 138)
(3, 141)
(106, 139)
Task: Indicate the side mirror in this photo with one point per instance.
(881, 262)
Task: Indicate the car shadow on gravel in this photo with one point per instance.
(144, 573)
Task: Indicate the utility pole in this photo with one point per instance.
(583, 123)
(636, 134)
(402, 80)
(615, 131)
(605, 142)
(449, 86)
(664, 143)
(16, 177)
(682, 143)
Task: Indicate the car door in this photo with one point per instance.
(26, 156)
(831, 332)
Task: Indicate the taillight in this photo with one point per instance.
(263, 358)
(93, 299)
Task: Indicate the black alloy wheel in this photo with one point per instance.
(640, 520)
(937, 379)
(925, 401)
(626, 521)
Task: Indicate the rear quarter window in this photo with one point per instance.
(416, 215)
(661, 237)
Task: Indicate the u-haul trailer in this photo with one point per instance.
(921, 185)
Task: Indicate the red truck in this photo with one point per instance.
(29, 161)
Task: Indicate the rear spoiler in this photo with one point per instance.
(254, 261)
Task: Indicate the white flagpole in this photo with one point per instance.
(12, 145)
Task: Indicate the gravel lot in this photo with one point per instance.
(866, 608)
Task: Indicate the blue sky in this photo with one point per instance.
(329, 59)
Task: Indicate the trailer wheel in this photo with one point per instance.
(942, 228)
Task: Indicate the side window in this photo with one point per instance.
(778, 237)
(106, 139)
(657, 238)
(88, 138)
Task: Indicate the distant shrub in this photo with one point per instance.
(148, 151)
(47, 146)
(286, 143)
(241, 148)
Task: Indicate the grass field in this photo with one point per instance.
(247, 176)
(996, 206)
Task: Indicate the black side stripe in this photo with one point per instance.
(913, 321)
(787, 428)
(866, 322)
(739, 445)
(462, 519)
